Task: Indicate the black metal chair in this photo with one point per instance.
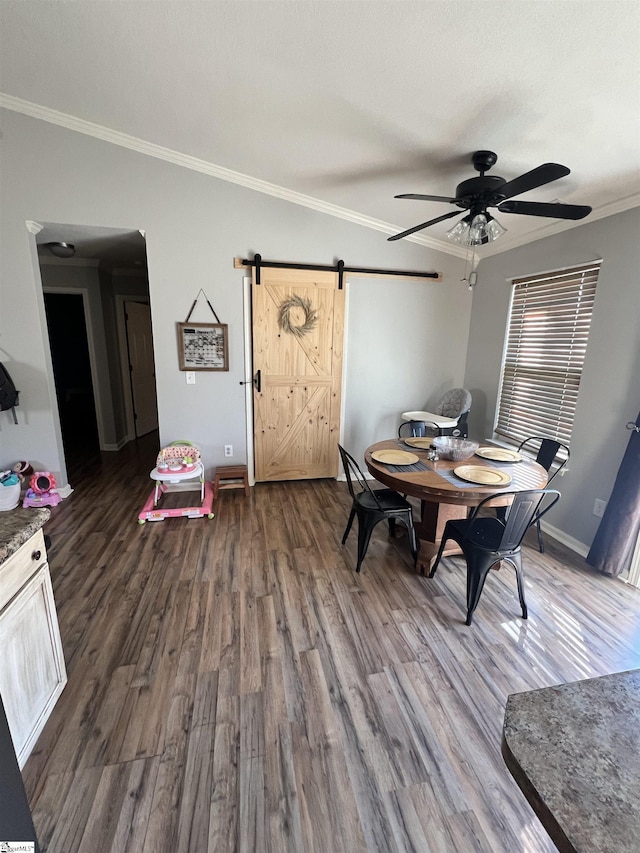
(486, 541)
(549, 452)
(372, 506)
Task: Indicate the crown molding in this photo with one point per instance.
(133, 143)
(619, 206)
(141, 146)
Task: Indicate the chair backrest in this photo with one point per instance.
(354, 474)
(454, 402)
(527, 508)
(547, 452)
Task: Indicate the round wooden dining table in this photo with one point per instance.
(442, 495)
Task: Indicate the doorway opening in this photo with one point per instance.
(69, 345)
(103, 367)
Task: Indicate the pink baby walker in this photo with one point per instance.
(177, 463)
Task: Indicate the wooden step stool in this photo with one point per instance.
(231, 477)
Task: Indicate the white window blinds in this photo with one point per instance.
(544, 354)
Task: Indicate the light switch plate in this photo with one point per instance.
(191, 377)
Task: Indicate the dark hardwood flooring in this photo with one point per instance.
(234, 685)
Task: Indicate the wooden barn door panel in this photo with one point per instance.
(297, 410)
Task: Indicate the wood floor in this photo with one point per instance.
(234, 685)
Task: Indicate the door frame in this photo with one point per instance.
(249, 372)
(84, 292)
(123, 352)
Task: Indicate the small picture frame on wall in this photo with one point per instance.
(203, 346)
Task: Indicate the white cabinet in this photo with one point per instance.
(32, 673)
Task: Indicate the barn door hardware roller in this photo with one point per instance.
(339, 267)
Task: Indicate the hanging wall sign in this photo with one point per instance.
(203, 346)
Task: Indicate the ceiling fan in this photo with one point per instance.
(478, 194)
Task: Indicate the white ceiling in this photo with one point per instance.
(348, 103)
(112, 247)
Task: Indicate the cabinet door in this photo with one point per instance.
(33, 672)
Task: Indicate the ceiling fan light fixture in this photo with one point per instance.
(61, 250)
(460, 231)
(476, 230)
(477, 194)
(494, 230)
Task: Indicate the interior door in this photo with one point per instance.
(141, 366)
(298, 327)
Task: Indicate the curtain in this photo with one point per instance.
(615, 540)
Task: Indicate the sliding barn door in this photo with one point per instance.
(298, 320)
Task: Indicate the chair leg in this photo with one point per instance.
(540, 540)
(365, 529)
(439, 557)
(413, 539)
(475, 583)
(392, 527)
(352, 515)
(517, 565)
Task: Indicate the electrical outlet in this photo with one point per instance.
(228, 450)
(191, 377)
(599, 507)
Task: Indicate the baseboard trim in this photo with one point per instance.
(113, 448)
(63, 491)
(564, 539)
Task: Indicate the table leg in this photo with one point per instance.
(430, 528)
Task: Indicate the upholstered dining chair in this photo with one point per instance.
(372, 506)
(486, 541)
(550, 454)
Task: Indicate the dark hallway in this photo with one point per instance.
(72, 373)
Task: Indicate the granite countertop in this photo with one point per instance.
(18, 525)
(574, 751)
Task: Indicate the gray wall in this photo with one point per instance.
(609, 394)
(406, 341)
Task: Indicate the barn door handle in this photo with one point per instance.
(257, 381)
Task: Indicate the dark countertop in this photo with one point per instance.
(574, 750)
(18, 525)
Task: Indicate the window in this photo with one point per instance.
(544, 353)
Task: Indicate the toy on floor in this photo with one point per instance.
(41, 492)
(9, 490)
(23, 469)
(177, 463)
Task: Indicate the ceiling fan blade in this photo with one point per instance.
(535, 178)
(421, 197)
(424, 225)
(537, 208)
